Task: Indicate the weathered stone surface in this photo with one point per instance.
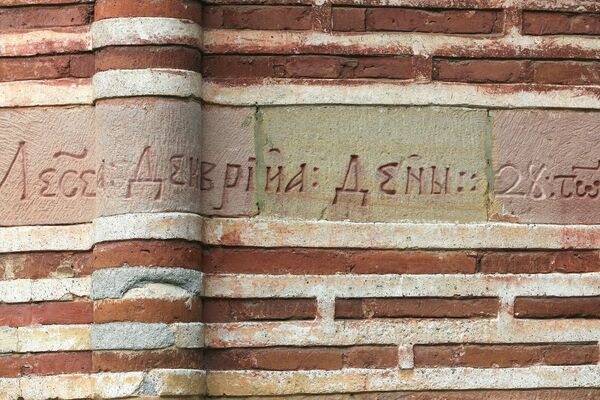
(547, 166)
(131, 336)
(115, 283)
(150, 152)
(47, 165)
(372, 163)
(228, 161)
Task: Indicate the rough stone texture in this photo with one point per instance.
(150, 155)
(131, 336)
(116, 283)
(48, 165)
(542, 174)
(364, 163)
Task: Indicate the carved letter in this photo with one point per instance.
(297, 180)
(205, 169)
(61, 184)
(175, 177)
(46, 180)
(228, 183)
(347, 186)
(20, 151)
(148, 175)
(437, 187)
(278, 176)
(419, 179)
(388, 177)
(82, 176)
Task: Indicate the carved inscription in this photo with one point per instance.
(538, 182)
(65, 177)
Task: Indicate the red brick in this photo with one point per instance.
(328, 67)
(182, 9)
(163, 253)
(81, 65)
(233, 310)
(46, 67)
(411, 262)
(434, 21)
(125, 361)
(371, 357)
(45, 264)
(556, 23)
(567, 72)
(277, 359)
(15, 365)
(416, 308)
(348, 19)
(292, 358)
(147, 310)
(140, 57)
(540, 262)
(482, 71)
(557, 307)
(15, 315)
(62, 312)
(45, 16)
(504, 355)
(258, 17)
(324, 261)
(46, 313)
(274, 261)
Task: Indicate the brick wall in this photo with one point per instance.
(292, 199)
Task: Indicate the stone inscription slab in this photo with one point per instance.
(372, 163)
(547, 166)
(47, 165)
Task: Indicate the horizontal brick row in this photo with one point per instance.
(164, 253)
(183, 9)
(148, 310)
(235, 310)
(306, 358)
(45, 264)
(324, 261)
(504, 355)
(299, 261)
(417, 20)
(306, 66)
(46, 313)
(416, 308)
(563, 72)
(63, 264)
(560, 23)
(399, 19)
(557, 307)
(46, 67)
(125, 361)
(139, 57)
(30, 17)
(15, 365)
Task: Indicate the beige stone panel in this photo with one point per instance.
(150, 155)
(228, 161)
(47, 165)
(546, 166)
(372, 164)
